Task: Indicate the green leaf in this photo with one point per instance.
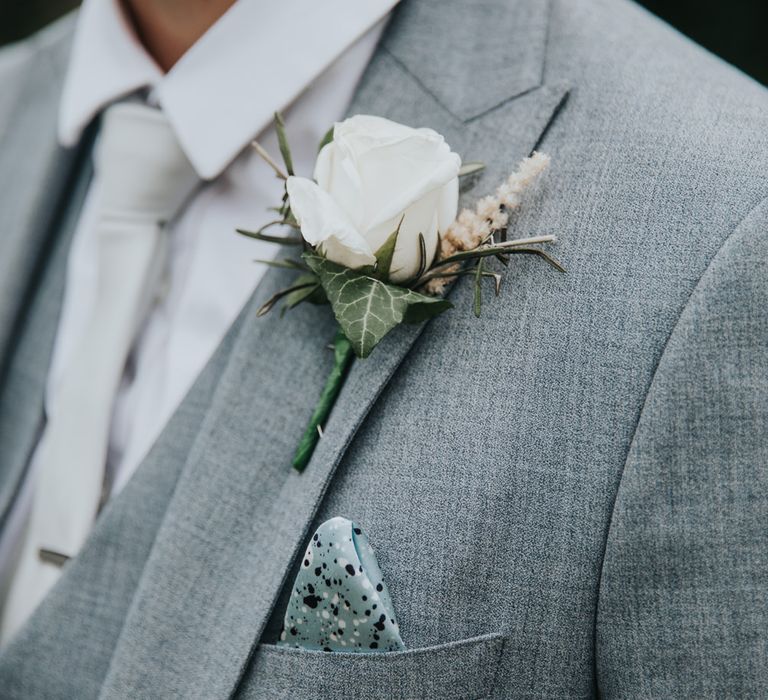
(497, 279)
(422, 257)
(366, 308)
(328, 138)
(286, 264)
(270, 303)
(290, 219)
(479, 288)
(385, 254)
(282, 140)
(318, 297)
(280, 240)
(518, 245)
(269, 160)
(470, 168)
(302, 293)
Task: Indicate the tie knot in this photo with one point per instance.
(143, 172)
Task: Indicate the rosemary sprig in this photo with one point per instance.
(286, 264)
(267, 306)
(504, 249)
(268, 159)
(280, 240)
(479, 288)
(493, 249)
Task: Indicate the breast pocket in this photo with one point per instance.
(462, 670)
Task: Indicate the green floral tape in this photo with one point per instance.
(343, 356)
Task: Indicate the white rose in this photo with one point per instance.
(374, 173)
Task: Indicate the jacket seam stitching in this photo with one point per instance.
(418, 81)
(641, 412)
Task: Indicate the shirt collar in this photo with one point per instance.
(224, 91)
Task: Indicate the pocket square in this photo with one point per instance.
(339, 601)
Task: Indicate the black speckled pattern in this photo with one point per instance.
(339, 601)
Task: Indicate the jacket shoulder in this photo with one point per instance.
(680, 133)
(630, 60)
(656, 68)
(47, 50)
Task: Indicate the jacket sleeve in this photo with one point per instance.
(683, 600)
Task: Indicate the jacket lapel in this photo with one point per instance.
(34, 173)
(26, 372)
(37, 193)
(240, 514)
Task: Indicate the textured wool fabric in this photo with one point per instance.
(462, 670)
(567, 495)
(689, 524)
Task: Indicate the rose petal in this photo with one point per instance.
(335, 172)
(324, 224)
(449, 205)
(393, 166)
(420, 218)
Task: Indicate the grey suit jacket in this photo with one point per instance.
(568, 496)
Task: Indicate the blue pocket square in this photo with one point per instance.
(339, 601)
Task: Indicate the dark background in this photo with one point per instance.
(734, 29)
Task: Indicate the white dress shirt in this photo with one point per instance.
(220, 95)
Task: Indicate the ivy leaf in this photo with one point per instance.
(385, 254)
(367, 308)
